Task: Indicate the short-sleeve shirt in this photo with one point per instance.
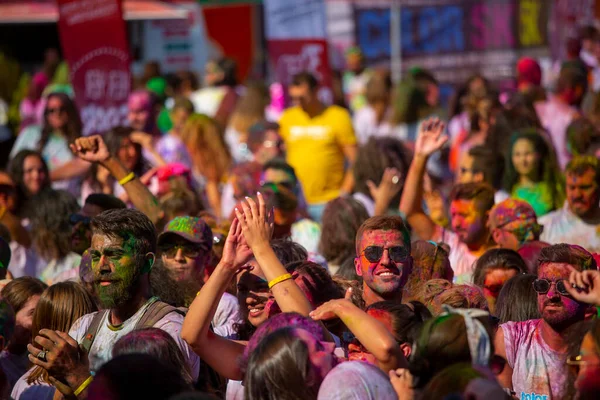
(461, 259)
(538, 371)
(102, 346)
(562, 226)
(314, 148)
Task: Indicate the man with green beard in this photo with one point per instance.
(123, 253)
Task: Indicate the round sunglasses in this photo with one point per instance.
(542, 286)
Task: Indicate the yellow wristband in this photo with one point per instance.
(279, 279)
(84, 385)
(128, 178)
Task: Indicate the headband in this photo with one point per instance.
(477, 335)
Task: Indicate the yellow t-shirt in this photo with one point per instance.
(314, 149)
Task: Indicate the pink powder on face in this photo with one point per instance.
(555, 308)
(383, 285)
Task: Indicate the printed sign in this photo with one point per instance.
(455, 39)
(289, 57)
(94, 42)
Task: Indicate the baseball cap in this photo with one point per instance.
(4, 254)
(193, 229)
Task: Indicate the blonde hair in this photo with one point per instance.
(250, 108)
(203, 139)
(60, 305)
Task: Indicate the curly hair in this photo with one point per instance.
(341, 219)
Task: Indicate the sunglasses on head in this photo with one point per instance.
(74, 219)
(56, 110)
(542, 286)
(397, 254)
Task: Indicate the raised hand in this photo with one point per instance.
(236, 252)
(389, 186)
(256, 223)
(91, 149)
(431, 137)
(584, 286)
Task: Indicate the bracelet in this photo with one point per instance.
(84, 385)
(279, 279)
(127, 179)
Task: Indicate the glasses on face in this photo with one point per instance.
(397, 254)
(542, 286)
(187, 251)
(55, 110)
(74, 219)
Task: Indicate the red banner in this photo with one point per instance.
(94, 43)
(291, 56)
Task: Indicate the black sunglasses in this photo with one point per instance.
(543, 286)
(397, 254)
(77, 218)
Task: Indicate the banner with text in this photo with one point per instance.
(297, 42)
(456, 39)
(94, 43)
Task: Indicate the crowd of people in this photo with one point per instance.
(384, 247)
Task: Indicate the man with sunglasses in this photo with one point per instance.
(95, 204)
(513, 223)
(536, 350)
(185, 248)
(383, 258)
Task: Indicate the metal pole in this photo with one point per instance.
(395, 41)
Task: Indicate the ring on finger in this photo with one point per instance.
(395, 179)
(42, 356)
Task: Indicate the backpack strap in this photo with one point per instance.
(156, 311)
(90, 334)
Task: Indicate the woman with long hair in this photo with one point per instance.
(61, 126)
(249, 110)
(210, 157)
(23, 295)
(30, 173)
(218, 97)
(52, 236)
(532, 173)
(59, 306)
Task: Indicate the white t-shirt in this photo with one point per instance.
(107, 336)
(226, 316)
(562, 226)
(461, 259)
(366, 126)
